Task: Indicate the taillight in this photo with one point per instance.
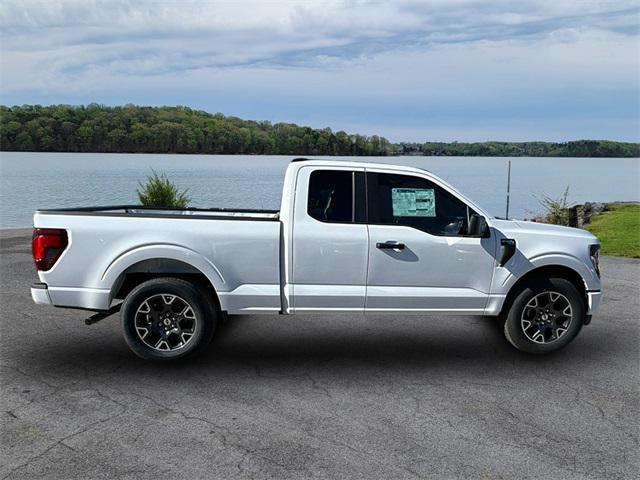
(47, 246)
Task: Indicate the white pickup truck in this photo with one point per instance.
(350, 237)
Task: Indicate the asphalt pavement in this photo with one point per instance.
(316, 396)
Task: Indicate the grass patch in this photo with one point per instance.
(618, 230)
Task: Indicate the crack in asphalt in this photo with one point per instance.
(61, 441)
(253, 451)
(579, 398)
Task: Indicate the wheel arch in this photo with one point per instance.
(132, 269)
(545, 271)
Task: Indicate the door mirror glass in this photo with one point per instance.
(478, 226)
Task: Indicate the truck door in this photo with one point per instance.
(420, 258)
(329, 240)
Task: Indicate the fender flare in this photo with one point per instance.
(167, 251)
(553, 260)
(497, 301)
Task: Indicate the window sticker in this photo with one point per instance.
(413, 202)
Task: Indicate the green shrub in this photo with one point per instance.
(159, 191)
(556, 210)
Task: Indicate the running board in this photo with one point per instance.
(102, 315)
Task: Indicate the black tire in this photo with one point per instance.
(533, 328)
(181, 327)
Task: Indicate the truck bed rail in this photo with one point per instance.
(164, 212)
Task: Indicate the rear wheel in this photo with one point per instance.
(545, 316)
(167, 319)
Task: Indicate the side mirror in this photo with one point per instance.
(478, 226)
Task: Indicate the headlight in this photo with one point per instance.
(594, 254)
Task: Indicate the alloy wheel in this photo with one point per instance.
(165, 322)
(546, 317)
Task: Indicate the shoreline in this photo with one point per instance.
(391, 155)
(6, 233)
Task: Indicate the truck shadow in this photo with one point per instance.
(397, 342)
(276, 347)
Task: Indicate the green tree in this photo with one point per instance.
(132, 128)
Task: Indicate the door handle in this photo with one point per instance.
(390, 245)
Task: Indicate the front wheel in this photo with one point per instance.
(545, 316)
(167, 319)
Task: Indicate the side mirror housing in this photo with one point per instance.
(478, 226)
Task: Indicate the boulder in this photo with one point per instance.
(580, 215)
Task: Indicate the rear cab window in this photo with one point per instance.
(336, 196)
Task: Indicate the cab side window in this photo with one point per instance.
(415, 202)
(331, 196)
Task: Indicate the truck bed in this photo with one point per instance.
(237, 250)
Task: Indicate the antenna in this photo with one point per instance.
(506, 217)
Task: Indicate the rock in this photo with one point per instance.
(579, 215)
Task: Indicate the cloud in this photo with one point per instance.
(428, 66)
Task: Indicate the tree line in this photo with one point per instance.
(136, 129)
(577, 148)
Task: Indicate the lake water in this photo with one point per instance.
(47, 180)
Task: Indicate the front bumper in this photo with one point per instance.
(40, 294)
(593, 302)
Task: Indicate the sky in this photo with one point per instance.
(431, 70)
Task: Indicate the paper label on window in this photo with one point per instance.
(413, 202)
